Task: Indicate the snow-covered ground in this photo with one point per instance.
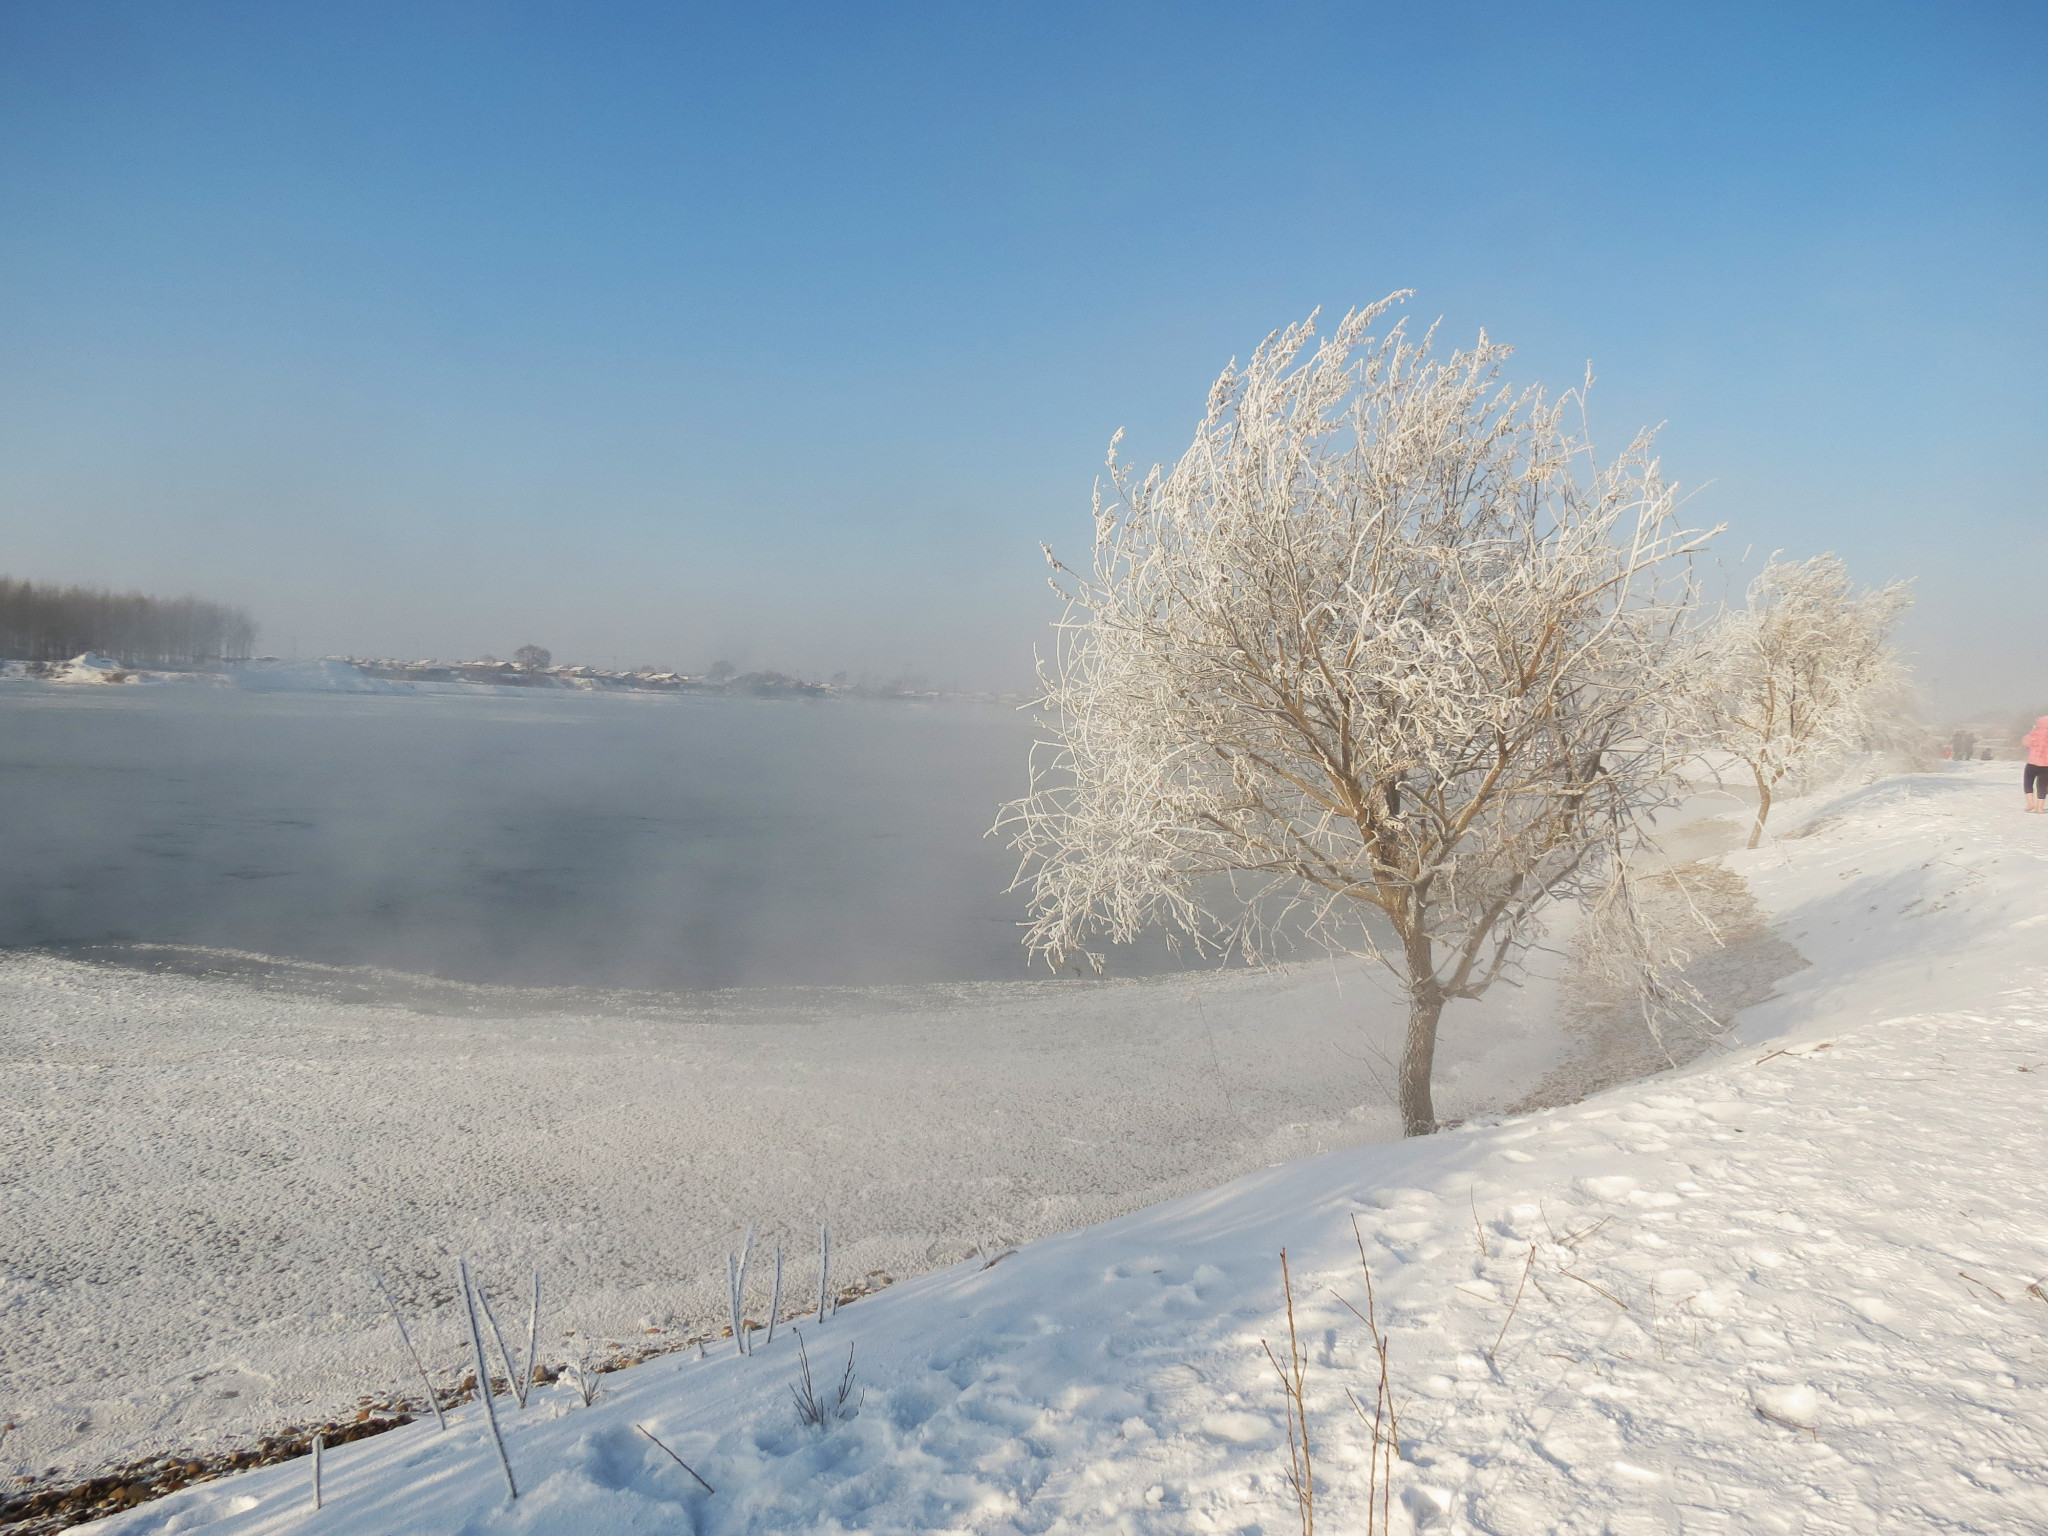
(202, 1173)
(1790, 1288)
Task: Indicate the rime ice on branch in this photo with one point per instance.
(1387, 663)
(1802, 675)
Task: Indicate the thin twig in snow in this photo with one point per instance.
(1531, 1264)
(533, 1332)
(1300, 1468)
(1573, 1239)
(732, 1299)
(433, 1397)
(504, 1354)
(810, 1408)
(1592, 1287)
(1765, 1413)
(739, 1292)
(1386, 1426)
(483, 1376)
(677, 1459)
(824, 1266)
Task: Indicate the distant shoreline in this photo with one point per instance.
(349, 674)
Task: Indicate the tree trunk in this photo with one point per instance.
(1418, 1061)
(1418, 1054)
(1763, 809)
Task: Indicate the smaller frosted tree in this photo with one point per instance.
(1387, 663)
(1803, 674)
(533, 658)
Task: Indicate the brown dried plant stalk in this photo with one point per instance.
(1514, 1307)
(1384, 1423)
(1293, 1378)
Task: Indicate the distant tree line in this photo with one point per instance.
(41, 622)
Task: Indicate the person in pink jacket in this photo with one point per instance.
(2035, 782)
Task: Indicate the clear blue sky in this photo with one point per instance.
(785, 333)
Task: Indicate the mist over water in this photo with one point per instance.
(542, 840)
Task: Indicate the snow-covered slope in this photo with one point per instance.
(1789, 1289)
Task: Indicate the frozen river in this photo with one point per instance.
(555, 839)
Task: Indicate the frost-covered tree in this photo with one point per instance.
(1802, 674)
(533, 658)
(1384, 663)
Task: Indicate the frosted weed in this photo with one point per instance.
(820, 1411)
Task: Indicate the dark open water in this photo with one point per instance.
(543, 840)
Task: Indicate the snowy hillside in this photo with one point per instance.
(1788, 1289)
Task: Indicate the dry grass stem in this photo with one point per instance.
(1573, 1239)
(1808, 1429)
(1293, 1380)
(1979, 1283)
(1592, 1287)
(1515, 1306)
(433, 1397)
(672, 1456)
(483, 1375)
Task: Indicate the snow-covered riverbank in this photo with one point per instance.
(203, 1173)
(1785, 1289)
